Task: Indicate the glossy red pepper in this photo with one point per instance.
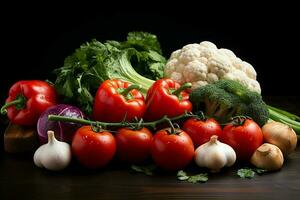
(27, 100)
(167, 97)
(116, 99)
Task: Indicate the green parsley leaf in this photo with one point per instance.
(260, 171)
(198, 178)
(182, 176)
(146, 169)
(246, 173)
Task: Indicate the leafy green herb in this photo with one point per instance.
(137, 60)
(260, 171)
(246, 173)
(182, 176)
(146, 169)
(198, 178)
(250, 172)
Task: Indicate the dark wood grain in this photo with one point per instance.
(20, 179)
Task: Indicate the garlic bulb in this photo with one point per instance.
(280, 135)
(267, 156)
(54, 155)
(214, 155)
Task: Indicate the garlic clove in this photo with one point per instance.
(216, 160)
(214, 155)
(36, 158)
(230, 154)
(54, 155)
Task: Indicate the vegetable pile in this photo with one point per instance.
(137, 61)
(125, 101)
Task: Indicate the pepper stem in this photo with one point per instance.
(182, 87)
(19, 102)
(127, 90)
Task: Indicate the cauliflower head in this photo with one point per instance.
(201, 64)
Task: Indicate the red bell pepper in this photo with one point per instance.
(27, 100)
(167, 97)
(116, 100)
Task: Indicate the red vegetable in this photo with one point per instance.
(93, 149)
(167, 97)
(133, 146)
(27, 100)
(201, 130)
(116, 99)
(244, 136)
(172, 151)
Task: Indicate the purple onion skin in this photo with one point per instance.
(63, 131)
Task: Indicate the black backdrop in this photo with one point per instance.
(36, 40)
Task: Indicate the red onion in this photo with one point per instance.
(63, 131)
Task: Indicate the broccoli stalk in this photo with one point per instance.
(218, 109)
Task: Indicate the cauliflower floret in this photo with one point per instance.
(189, 54)
(228, 53)
(219, 64)
(211, 77)
(204, 63)
(171, 66)
(208, 45)
(249, 69)
(198, 84)
(242, 78)
(195, 71)
(177, 77)
(175, 54)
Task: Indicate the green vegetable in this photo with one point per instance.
(182, 176)
(94, 62)
(225, 99)
(134, 125)
(285, 117)
(146, 169)
(246, 173)
(250, 172)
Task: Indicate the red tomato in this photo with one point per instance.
(172, 151)
(201, 130)
(133, 145)
(244, 138)
(93, 150)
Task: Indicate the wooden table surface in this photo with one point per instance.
(20, 179)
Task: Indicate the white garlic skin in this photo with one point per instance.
(215, 155)
(54, 155)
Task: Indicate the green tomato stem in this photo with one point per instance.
(152, 124)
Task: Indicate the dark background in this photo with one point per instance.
(37, 39)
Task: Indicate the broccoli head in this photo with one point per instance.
(227, 98)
